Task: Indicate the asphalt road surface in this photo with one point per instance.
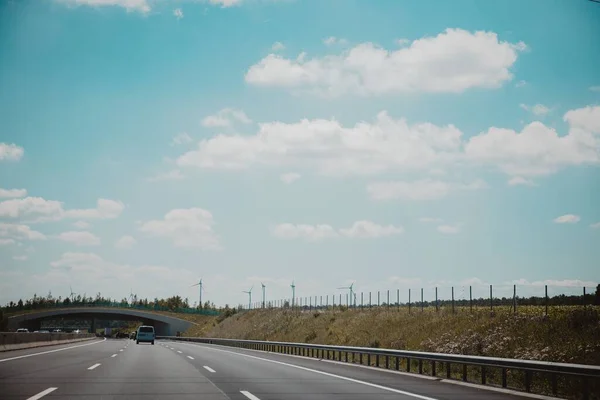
(120, 369)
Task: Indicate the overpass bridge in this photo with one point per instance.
(164, 325)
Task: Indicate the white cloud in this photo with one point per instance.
(178, 13)
(181, 138)
(20, 258)
(430, 219)
(359, 229)
(453, 61)
(12, 193)
(426, 189)
(567, 219)
(538, 149)
(368, 229)
(304, 231)
(51, 210)
(595, 88)
(519, 180)
(365, 148)
(289, 177)
(331, 40)
(6, 242)
(125, 242)
(538, 109)
(402, 42)
(80, 238)
(31, 206)
(226, 118)
(225, 3)
(105, 209)
(129, 5)
(555, 282)
(192, 227)
(595, 226)
(19, 232)
(81, 225)
(173, 175)
(448, 229)
(521, 83)
(277, 46)
(393, 145)
(10, 152)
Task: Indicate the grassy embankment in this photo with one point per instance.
(568, 334)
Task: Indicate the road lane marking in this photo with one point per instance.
(249, 395)
(94, 366)
(179, 352)
(114, 355)
(42, 394)
(190, 357)
(209, 369)
(345, 378)
(51, 351)
(121, 350)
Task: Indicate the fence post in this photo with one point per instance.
(340, 300)
(361, 300)
(436, 300)
(409, 301)
(584, 297)
(546, 297)
(452, 299)
(471, 298)
(491, 299)
(398, 298)
(378, 298)
(369, 299)
(422, 305)
(388, 298)
(514, 299)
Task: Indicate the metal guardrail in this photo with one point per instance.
(587, 375)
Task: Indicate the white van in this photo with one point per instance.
(145, 333)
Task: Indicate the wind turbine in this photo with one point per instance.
(263, 293)
(200, 285)
(131, 297)
(351, 291)
(293, 286)
(72, 295)
(249, 296)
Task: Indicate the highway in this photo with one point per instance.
(120, 369)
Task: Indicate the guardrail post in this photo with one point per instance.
(554, 383)
(408, 362)
(504, 377)
(420, 366)
(360, 360)
(483, 377)
(387, 362)
(528, 381)
(377, 360)
(586, 388)
(369, 359)
(433, 368)
(464, 373)
(448, 370)
(397, 363)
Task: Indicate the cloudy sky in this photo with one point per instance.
(147, 143)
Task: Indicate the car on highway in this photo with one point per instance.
(145, 333)
(22, 330)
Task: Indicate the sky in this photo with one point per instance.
(145, 144)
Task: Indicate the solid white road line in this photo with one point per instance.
(386, 388)
(51, 351)
(209, 369)
(249, 395)
(179, 352)
(121, 350)
(190, 357)
(42, 394)
(114, 355)
(94, 366)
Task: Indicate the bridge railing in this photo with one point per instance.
(556, 379)
(180, 310)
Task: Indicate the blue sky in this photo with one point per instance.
(146, 144)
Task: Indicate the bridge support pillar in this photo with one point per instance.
(93, 327)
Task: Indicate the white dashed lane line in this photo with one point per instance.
(209, 369)
(179, 352)
(94, 366)
(42, 394)
(121, 350)
(114, 355)
(249, 395)
(190, 357)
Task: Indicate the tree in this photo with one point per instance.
(20, 304)
(597, 300)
